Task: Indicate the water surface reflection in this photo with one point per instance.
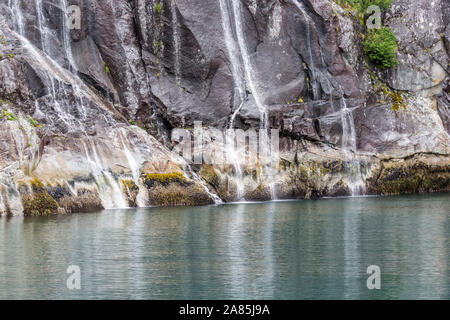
(278, 250)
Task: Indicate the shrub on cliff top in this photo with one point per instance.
(380, 46)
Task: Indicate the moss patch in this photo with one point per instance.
(39, 204)
(85, 201)
(174, 189)
(130, 185)
(131, 191)
(165, 179)
(411, 176)
(177, 195)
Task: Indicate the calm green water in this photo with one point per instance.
(279, 250)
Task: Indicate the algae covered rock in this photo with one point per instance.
(174, 189)
(417, 174)
(38, 202)
(39, 199)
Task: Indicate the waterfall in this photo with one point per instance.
(17, 16)
(233, 155)
(176, 41)
(40, 18)
(312, 66)
(130, 70)
(48, 47)
(250, 74)
(233, 54)
(241, 63)
(142, 196)
(251, 77)
(239, 96)
(109, 189)
(196, 178)
(348, 127)
(356, 182)
(60, 81)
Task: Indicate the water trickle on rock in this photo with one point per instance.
(176, 42)
(355, 180)
(245, 79)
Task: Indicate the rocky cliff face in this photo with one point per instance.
(88, 110)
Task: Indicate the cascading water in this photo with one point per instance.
(265, 152)
(233, 156)
(109, 189)
(130, 71)
(250, 74)
(176, 41)
(59, 80)
(349, 146)
(312, 67)
(17, 16)
(142, 197)
(243, 64)
(234, 56)
(348, 128)
(196, 178)
(239, 96)
(356, 182)
(68, 91)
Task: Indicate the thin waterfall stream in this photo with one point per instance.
(176, 42)
(349, 146)
(240, 63)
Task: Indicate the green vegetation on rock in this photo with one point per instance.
(396, 98)
(130, 185)
(178, 195)
(158, 8)
(164, 179)
(362, 5)
(380, 46)
(8, 115)
(34, 123)
(39, 202)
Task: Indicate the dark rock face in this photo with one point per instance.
(444, 105)
(89, 110)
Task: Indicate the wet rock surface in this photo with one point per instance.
(87, 113)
